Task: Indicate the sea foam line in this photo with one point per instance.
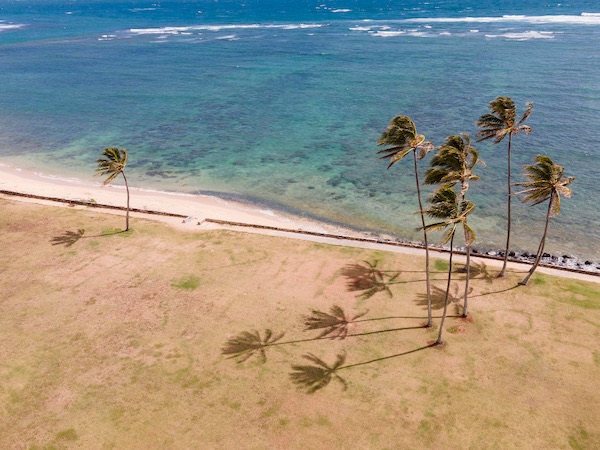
(216, 28)
(9, 26)
(525, 36)
(583, 19)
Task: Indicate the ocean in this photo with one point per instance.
(280, 103)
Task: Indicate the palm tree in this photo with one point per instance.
(401, 135)
(446, 206)
(546, 182)
(113, 165)
(497, 125)
(453, 164)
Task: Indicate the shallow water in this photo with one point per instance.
(281, 103)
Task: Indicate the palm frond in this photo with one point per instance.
(247, 344)
(525, 116)
(317, 376)
(395, 154)
(470, 235)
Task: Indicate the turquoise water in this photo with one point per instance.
(281, 103)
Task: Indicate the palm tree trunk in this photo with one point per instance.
(465, 313)
(467, 270)
(541, 247)
(429, 320)
(439, 339)
(127, 214)
(502, 272)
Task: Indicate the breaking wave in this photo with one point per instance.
(583, 19)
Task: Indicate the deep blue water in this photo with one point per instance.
(281, 102)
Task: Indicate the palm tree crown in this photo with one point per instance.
(501, 121)
(401, 134)
(113, 164)
(454, 163)
(546, 181)
(446, 207)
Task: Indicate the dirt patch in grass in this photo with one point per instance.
(115, 341)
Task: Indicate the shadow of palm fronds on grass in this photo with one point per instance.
(246, 344)
(334, 325)
(68, 238)
(438, 296)
(480, 271)
(368, 279)
(317, 376)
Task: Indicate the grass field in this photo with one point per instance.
(113, 340)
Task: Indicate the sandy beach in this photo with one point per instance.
(198, 208)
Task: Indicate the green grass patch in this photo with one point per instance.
(538, 280)
(67, 435)
(112, 231)
(187, 283)
(441, 265)
(580, 294)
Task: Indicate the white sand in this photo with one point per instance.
(200, 207)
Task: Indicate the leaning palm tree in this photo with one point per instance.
(452, 212)
(113, 165)
(501, 122)
(401, 134)
(546, 182)
(454, 164)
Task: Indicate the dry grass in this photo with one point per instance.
(114, 341)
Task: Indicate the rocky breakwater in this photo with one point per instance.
(563, 262)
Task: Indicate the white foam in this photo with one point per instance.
(142, 9)
(525, 36)
(217, 28)
(10, 26)
(372, 27)
(229, 37)
(341, 10)
(583, 19)
(387, 34)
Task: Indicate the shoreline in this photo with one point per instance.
(186, 210)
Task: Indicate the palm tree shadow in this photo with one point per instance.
(480, 270)
(496, 292)
(69, 238)
(368, 279)
(438, 297)
(313, 377)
